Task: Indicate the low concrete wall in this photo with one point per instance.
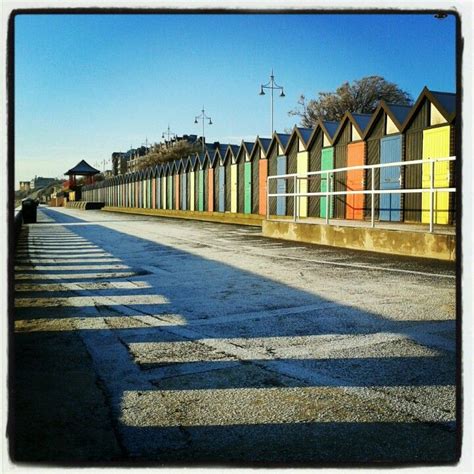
(222, 217)
(414, 244)
(85, 205)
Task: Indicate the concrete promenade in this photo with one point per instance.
(160, 340)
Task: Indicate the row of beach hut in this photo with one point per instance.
(233, 178)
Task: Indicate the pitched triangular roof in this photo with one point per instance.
(232, 152)
(248, 146)
(283, 138)
(83, 168)
(304, 134)
(219, 154)
(280, 138)
(193, 161)
(185, 163)
(396, 112)
(445, 102)
(360, 122)
(244, 149)
(263, 143)
(178, 164)
(330, 126)
(399, 112)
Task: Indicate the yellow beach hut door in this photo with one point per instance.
(436, 145)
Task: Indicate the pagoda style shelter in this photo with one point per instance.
(81, 169)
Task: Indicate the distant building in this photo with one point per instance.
(25, 186)
(39, 182)
(119, 163)
(126, 162)
(123, 162)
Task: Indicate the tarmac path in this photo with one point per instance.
(184, 342)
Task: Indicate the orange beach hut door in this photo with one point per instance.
(355, 181)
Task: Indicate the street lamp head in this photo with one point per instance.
(261, 91)
(282, 94)
(195, 120)
(210, 122)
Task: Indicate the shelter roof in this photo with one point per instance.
(83, 169)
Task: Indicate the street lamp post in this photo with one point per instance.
(168, 133)
(203, 117)
(272, 85)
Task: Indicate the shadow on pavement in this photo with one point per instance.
(68, 394)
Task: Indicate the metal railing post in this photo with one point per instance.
(295, 197)
(372, 203)
(295, 202)
(327, 196)
(268, 198)
(431, 194)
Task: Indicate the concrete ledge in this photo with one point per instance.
(399, 242)
(85, 205)
(221, 217)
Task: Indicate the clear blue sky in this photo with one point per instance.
(88, 85)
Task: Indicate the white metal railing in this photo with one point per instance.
(329, 174)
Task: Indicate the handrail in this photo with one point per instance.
(364, 191)
(364, 167)
(297, 194)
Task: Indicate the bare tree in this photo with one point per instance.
(361, 96)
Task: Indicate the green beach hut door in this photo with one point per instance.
(327, 163)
